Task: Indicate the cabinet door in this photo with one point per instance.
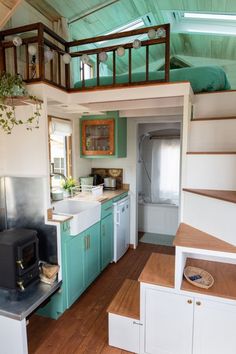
(92, 253)
(106, 240)
(168, 324)
(74, 278)
(214, 328)
(98, 137)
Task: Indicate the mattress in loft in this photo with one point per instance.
(201, 78)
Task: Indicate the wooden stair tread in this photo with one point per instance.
(211, 152)
(228, 196)
(159, 270)
(188, 236)
(127, 301)
(224, 275)
(211, 118)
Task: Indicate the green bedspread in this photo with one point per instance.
(201, 78)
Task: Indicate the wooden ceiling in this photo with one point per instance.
(96, 17)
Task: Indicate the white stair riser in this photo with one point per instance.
(211, 172)
(213, 216)
(218, 104)
(215, 135)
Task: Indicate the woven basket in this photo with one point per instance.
(206, 280)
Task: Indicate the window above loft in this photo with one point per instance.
(201, 22)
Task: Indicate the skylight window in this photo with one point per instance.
(209, 16)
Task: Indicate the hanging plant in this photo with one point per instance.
(12, 88)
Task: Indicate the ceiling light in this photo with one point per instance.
(209, 16)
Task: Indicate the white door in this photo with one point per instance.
(168, 323)
(214, 328)
(121, 230)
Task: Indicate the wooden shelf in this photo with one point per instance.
(227, 196)
(127, 301)
(211, 118)
(188, 236)
(211, 153)
(159, 270)
(224, 275)
(20, 101)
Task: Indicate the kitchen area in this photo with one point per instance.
(81, 232)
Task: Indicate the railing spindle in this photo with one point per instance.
(83, 79)
(114, 67)
(67, 70)
(147, 62)
(167, 53)
(41, 52)
(15, 59)
(59, 67)
(98, 74)
(27, 61)
(130, 65)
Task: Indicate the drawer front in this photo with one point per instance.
(106, 209)
(119, 197)
(124, 333)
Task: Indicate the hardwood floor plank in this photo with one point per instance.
(84, 327)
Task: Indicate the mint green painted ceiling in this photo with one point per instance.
(191, 47)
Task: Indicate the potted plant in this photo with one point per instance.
(12, 88)
(68, 186)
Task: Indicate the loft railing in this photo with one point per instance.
(39, 55)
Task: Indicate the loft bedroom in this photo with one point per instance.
(76, 49)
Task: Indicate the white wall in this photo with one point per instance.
(26, 14)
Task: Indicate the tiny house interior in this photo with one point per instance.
(117, 177)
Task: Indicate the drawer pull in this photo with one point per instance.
(137, 323)
(198, 303)
(190, 301)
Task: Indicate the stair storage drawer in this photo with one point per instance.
(124, 332)
(106, 209)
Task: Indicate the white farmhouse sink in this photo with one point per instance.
(84, 213)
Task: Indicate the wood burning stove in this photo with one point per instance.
(19, 258)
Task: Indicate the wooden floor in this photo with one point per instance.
(83, 328)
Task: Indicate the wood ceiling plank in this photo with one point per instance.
(45, 9)
(7, 9)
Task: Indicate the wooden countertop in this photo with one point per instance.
(159, 270)
(224, 275)
(108, 195)
(127, 301)
(188, 236)
(60, 218)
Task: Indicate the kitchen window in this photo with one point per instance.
(60, 149)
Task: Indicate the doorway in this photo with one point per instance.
(158, 181)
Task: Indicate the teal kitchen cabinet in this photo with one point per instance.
(74, 268)
(80, 265)
(106, 240)
(58, 302)
(91, 253)
(103, 136)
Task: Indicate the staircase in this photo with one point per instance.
(209, 202)
(7, 9)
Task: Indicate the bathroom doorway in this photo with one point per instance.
(158, 177)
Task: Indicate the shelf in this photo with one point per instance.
(227, 196)
(211, 118)
(188, 236)
(224, 275)
(20, 101)
(211, 153)
(127, 301)
(159, 270)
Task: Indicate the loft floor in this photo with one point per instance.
(83, 328)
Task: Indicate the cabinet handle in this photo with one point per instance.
(137, 323)
(85, 242)
(198, 303)
(190, 301)
(88, 241)
(103, 230)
